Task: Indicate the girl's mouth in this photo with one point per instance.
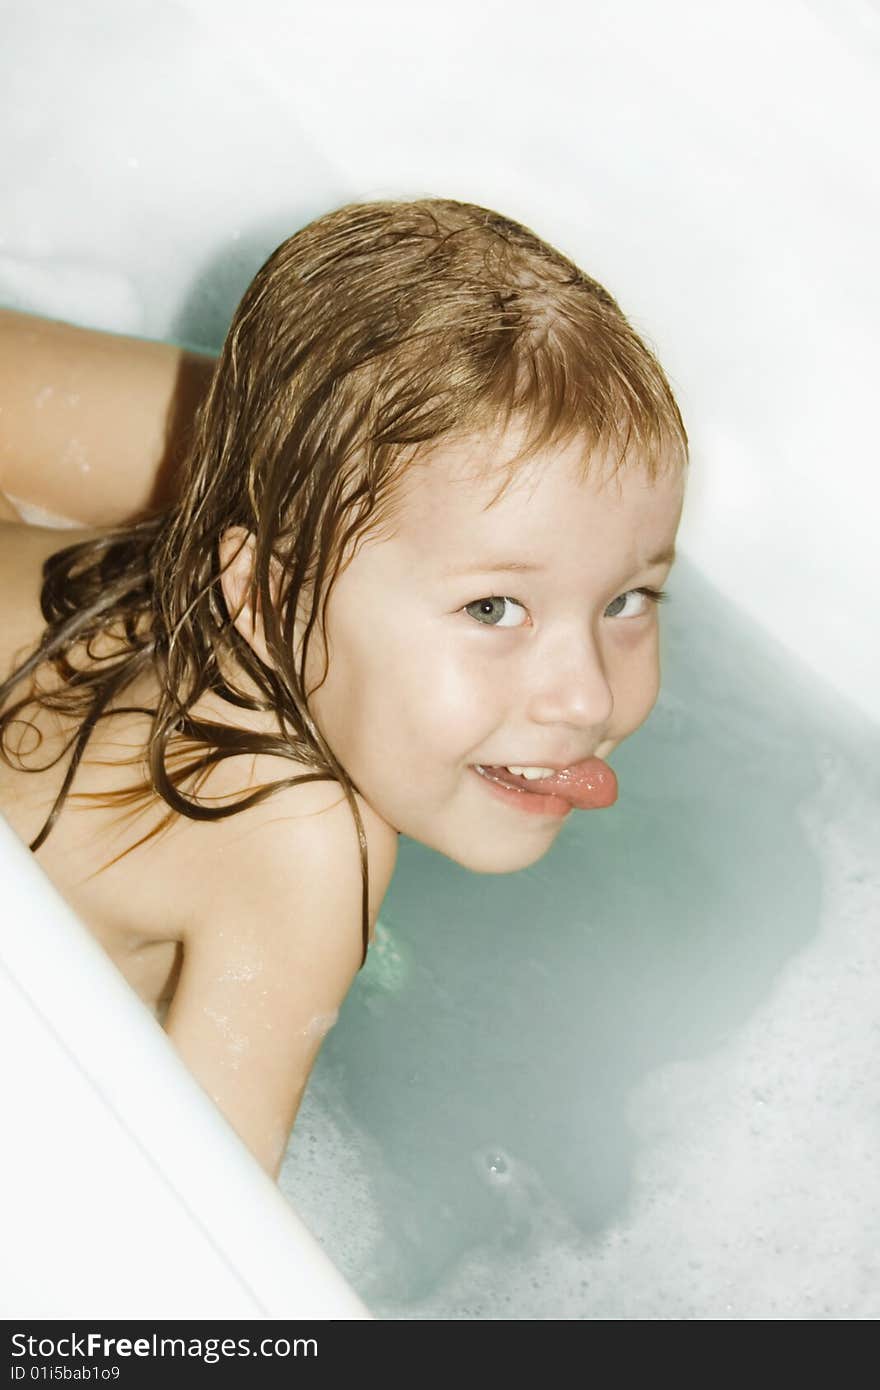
(587, 785)
(522, 796)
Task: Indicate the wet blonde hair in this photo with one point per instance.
(368, 337)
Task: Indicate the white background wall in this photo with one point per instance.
(714, 165)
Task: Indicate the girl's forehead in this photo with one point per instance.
(470, 486)
(550, 516)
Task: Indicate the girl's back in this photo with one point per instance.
(128, 907)
(216, 919)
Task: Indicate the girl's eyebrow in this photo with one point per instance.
(521, 567)
(498, 565)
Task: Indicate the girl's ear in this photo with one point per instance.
(237, 551)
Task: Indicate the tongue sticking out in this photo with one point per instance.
(587, 785)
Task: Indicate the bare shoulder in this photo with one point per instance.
(299, 847)
(275, 946)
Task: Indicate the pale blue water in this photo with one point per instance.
(639, 1079)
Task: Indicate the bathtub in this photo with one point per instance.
(637, 1080)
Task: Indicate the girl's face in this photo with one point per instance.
(513, 635)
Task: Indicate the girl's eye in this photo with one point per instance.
(653, 595)
(488, 608)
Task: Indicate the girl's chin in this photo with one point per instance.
(498, 856)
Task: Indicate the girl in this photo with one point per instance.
(298, 616)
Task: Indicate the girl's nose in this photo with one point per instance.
(570, 687)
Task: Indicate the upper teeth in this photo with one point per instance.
(531, 773)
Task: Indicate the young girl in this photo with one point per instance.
(390, 565)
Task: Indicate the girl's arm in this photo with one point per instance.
(277, 945)
(93, 424)
(7, 513)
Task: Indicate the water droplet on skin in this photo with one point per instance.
(239, 973)
(234, 1044)
(74, 452)
(320, 1024)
